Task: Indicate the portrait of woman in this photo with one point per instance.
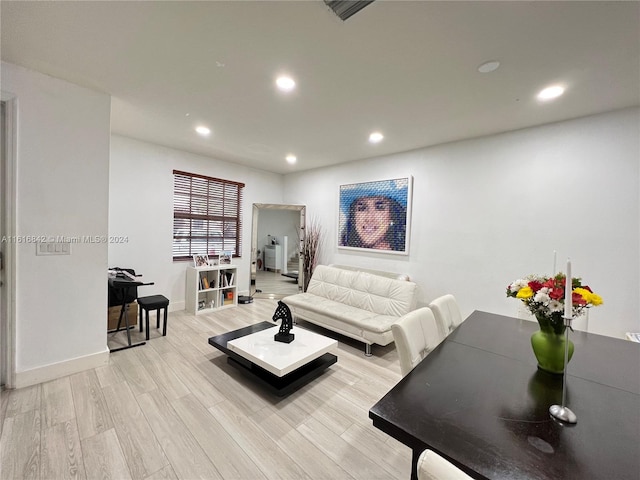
(373, 215)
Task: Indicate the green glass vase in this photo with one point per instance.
(548, 345)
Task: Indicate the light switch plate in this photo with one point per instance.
(53, 248)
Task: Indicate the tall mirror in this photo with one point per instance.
(276, 263)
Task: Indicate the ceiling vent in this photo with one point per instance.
(345, 8)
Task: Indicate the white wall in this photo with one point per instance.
(141, 209)
(489, 210)
(62, 189)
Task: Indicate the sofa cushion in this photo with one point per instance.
(362, 319)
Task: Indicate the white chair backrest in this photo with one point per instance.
(447, 313)
(416, 334)
(432, 466)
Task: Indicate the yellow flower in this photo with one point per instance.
(525, 292)
(589, 297)
(596, 299)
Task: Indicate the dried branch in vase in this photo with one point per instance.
(311, 241)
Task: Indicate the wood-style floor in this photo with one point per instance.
(174, 408)
(269, 282)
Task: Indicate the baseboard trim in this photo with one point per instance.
(176, 306)
(61, 369)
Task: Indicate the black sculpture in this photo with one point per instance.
(283, 313)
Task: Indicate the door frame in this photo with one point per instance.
(8, 213)
(257, 207)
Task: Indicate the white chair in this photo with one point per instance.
(432, 466)
(416, 334)
(447, 313)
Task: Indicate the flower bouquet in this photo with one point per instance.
(544, 297)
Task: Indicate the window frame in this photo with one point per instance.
(213, 203)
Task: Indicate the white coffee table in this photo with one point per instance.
(281, 367)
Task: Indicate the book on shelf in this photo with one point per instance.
(227, 279)
(205, 282)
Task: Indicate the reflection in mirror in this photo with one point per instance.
(276, 264)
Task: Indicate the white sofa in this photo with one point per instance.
(359, 304)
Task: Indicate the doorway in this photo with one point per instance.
(276, 264)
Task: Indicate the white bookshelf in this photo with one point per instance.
(209, 288)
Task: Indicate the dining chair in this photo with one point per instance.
(415, 334)
(447, 313)
(432, 466)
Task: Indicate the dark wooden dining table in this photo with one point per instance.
(479, 400)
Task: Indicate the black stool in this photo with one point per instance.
(154, 302)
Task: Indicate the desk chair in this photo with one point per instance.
(447, 313)
(157, 303)
(432, 466)
(416, 334)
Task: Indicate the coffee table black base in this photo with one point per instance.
(283, 386)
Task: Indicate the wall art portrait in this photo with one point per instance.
(376, 215)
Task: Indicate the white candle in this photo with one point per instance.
(568, 292)
(553, 272)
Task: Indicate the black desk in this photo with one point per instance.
(128, 291)
(479, 401)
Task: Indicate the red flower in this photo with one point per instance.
(535, 286)
(556, 293)
(577, 299)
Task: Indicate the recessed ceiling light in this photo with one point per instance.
(204, 131)
(376, 137)
(291, 159)
(489, 66)
(285, 83)
(550, 93)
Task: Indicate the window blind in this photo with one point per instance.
(207, 216)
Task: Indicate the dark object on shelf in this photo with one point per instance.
(283, 313)
(157, 303)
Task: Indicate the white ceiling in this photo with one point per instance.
(408, 69)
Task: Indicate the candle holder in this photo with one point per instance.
(561, 412)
